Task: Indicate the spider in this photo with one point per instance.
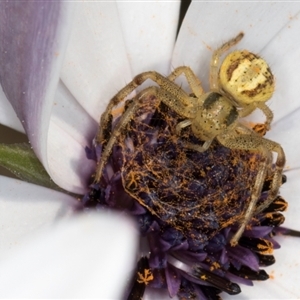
(241, 84)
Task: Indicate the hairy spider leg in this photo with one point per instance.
(162, 81)
(264, 146)
(169, 93)
(277, 177)
(247, 110)
(106, 116)
(215, 61)
(191, 78)
(126, 117)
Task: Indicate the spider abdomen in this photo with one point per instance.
(246, 77)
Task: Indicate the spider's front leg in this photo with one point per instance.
(261, 129)
(124, 120)
(169, 93)
(264, 146)
(215, 61)
(191, 78)
(107, 115)
(165, 83)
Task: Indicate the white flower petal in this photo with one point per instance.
(149, 34)
(26, 208)
(71, 130)
(286, 132)
(90, 256)
(96, 65)
(290, 192)
(110, 43)
(282, 53)
(33, 39)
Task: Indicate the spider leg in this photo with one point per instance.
(197, 147)
(192, 146)
(242, 129)
(166, 84)
(247, 110)
(193, 81)
(170, 95)
(182, 124)
(107, 115)
(124, 120)
(264, 146)
(215, 61)
(277, 177)
(255, 194)
(268, 113)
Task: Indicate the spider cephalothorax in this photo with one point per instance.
(243, 83)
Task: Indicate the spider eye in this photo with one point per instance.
(246, 77)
